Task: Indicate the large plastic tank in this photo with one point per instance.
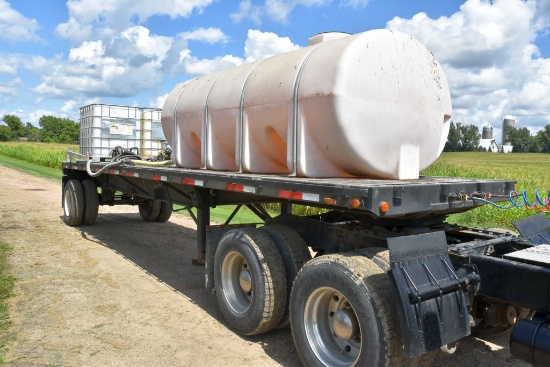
(375, 104)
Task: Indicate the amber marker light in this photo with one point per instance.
(331, 201)
(355, 203)
(384, 207)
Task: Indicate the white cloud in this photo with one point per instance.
(159, 101)
(260, 45)
(14, 27)
(36, 115)
(112, 16)
(247, 10)
(196, 67)
(208, 35)
(87, 51)
(70, 107)
(74, 30)
(10, 88)
(279, 10)
(8, 64)
(354, 3)
(488, 53)
(125, 65)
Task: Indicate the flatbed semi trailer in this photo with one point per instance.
(377, 278)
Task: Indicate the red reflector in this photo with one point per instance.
(234, 187)
(188, 181)
(131, 174)
(156, 177)
(290, 195)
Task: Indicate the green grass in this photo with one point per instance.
(6, 288)
(32, 168)
(221, 213)
(43, 154)
(530, 170)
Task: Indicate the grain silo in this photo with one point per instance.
(487, 132)
(507, 123)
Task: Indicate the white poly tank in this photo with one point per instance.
(375, 104)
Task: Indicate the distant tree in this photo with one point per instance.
(462, 138)
(521, 139)
(543, 139)
(59, 130)
(16, 126)
(32, 133)
(453, 139)
(5, 133)
(470, 138)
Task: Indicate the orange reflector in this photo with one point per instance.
(355, 203)
(384, 207)
(330, 201)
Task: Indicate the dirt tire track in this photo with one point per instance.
(123, 292)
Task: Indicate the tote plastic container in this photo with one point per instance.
(104, 127)
(375, 104)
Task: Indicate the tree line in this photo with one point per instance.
(52, 130)
(465, 138)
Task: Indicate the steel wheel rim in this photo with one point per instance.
(333, 344)
(234, 273)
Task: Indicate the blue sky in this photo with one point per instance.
(58, 55)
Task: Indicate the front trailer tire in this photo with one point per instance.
(149, 210)
(165, 212)
(343, 313)
(73, 203)
(250, 281)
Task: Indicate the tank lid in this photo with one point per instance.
(326, 36)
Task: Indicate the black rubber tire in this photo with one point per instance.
(381, 257)
(367, 289)
(249, 251)
(73, 203)
(294, 253)
(149, 210)
(165, 212)
(91, 202)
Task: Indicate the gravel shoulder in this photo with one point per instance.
(123, 292)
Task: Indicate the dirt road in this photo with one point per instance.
(124, 293)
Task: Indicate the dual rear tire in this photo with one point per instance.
(80, 202)
(155, 211)
(342, 308)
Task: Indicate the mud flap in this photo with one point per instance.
(535, 228)
(432, 307)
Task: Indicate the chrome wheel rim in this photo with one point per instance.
(237, 282)
(332, 328)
